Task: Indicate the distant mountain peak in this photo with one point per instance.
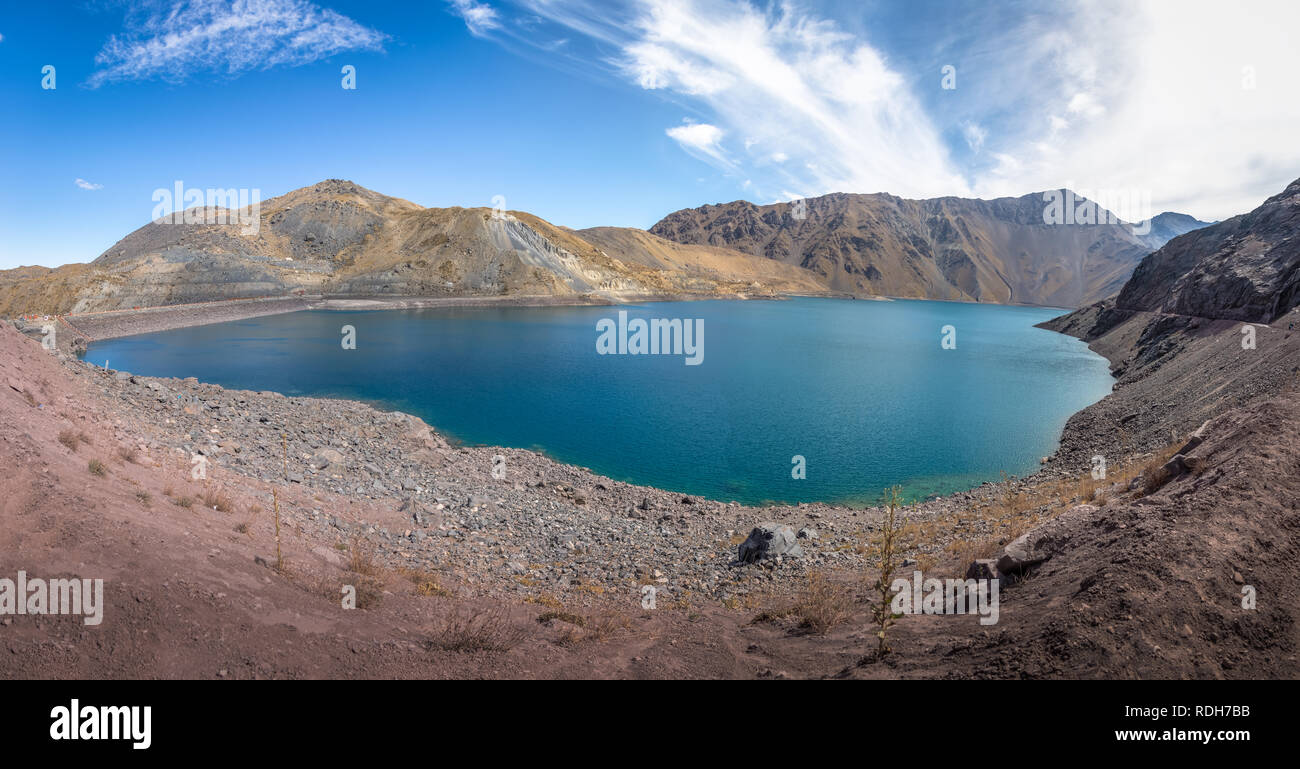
(1245, 268)
(1001, 250)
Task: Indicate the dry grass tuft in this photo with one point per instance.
(69, 438)
(823, 605)
(562, 616)
(218, 500)
(464, 630)
(360, 561)
(426, 583)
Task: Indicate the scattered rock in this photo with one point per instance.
(1043, 542)
(326, 458)
(767, 541)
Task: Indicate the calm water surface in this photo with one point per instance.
(862, 390)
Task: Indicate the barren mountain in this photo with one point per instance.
(945, 248)
(1174, 334)
(1245, 268)
(1169, 225)
(337, 237)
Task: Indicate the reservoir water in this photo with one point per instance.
(864, 391)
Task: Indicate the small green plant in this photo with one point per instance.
(881, 611)
(97, 468)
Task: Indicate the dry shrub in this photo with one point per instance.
(368, 590)
(97, 468)
(465, 630)
(823, 604)
(562, 616)
(881, 611)
(128, 454)
(426, 583)
(69, 438)
(1154, 474)
(606, 624)
(360, 561)
(218, 500)
(545, 599)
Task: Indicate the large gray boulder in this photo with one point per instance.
(325, 458)
(769, 540)
(1040, 544)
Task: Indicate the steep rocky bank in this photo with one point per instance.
(1206, 324)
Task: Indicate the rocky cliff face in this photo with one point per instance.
(945, 248)
(1174, 333)
(337, 237)
(1246, 268)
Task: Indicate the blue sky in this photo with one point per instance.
(616, 112)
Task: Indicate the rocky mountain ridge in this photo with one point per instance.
(338, 238)
(997, 250)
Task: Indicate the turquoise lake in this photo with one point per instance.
(863, 390)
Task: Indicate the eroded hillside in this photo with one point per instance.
(337, 237)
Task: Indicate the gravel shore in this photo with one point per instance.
(545, 527)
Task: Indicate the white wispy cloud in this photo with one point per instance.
(819, 109)
(85, 185)
(480, 18)
(703, 140)
(174, 41)
(1188, 100)
(1158, 96)
(794, 84)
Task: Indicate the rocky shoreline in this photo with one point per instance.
(543, 527)
(76, 330)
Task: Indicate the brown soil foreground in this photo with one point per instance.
(1145, 581)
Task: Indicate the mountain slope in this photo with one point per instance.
(1169, 225)
(337, 237)
(945, 248)
(1245, 268)
(1174, 335)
